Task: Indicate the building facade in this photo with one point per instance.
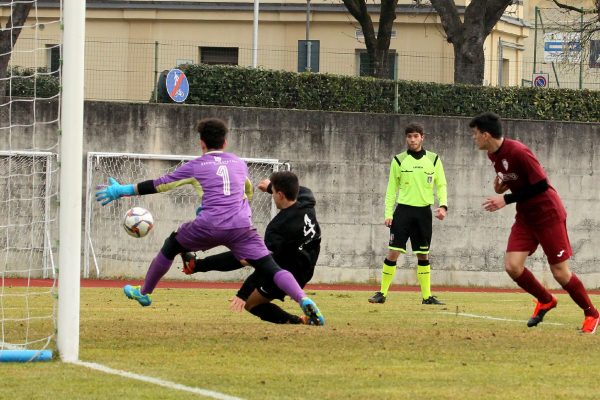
(129, 42)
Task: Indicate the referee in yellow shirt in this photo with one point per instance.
(413, 176)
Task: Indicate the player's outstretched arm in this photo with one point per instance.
(264, 186)
(239, 301)
(113, 191)
(237, 304)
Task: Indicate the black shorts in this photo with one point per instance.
(412, 223)
(301, 267)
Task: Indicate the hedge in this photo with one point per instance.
(25, 82)
(250, 87)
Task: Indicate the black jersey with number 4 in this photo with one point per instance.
(294, 235)
(294, 239)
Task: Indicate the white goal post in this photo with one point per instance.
(108, 250)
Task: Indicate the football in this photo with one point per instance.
(138, 222)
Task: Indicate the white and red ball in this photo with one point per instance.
(138, 222)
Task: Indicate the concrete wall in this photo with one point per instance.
(345, 157)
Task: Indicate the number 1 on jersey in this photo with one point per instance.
(224, 173)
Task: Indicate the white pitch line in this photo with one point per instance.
(156, 381)
(494, 318)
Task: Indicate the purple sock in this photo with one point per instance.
(158, 268)
(286, 282)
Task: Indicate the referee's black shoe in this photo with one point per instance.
(378, 297)
(432, 300)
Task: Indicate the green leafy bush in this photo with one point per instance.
(29, 82)
(250, 87)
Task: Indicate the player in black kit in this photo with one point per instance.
(294, 238)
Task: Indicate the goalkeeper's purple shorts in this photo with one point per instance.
(244, 243)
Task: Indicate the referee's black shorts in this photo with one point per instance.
(412, 223)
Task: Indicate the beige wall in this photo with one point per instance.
(120, 50)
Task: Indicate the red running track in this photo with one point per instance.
(101, 283)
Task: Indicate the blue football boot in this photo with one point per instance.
(312, 311)
(134, 293)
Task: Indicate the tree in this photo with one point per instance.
(377, 46)
(468, 36)
(591, 25)
(9, 36)
(585, 25)
(595, 10)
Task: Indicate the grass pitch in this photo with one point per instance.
(398, 350)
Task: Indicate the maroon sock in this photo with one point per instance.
(528, 282)
(579, 295)
(158, 268)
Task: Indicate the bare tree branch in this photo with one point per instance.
(451, 22)
(568, 7)
(386, 22)
(494, 9)
(358, 9)
(377, 45)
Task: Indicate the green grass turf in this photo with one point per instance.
(398, 350)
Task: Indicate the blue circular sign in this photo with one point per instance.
(178, 86)
(540, 81)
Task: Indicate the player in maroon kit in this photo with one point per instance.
(540, 220)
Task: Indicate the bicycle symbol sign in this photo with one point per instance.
(178, 86)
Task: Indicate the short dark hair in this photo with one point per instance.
(488, 122)
(213, 132)
(414, 127)
(285, 182)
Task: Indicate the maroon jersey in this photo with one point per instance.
(517, 167)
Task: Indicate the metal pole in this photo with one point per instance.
(396, 83)
(581, 50)
(255, 35)
(71, 150)
(308, 43)
(500, 56)
(553, 66)
(156, 72)
(535, 38)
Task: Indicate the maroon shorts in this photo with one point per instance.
(552, 237)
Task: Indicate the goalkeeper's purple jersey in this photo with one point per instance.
(221, 180)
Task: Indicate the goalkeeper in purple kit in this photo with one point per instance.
(221, 180)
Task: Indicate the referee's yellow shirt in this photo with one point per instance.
(412, 179)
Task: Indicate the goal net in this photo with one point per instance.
(109, 251)
(27, 231)
(29, 122)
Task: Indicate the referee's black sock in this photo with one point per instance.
(273, 313)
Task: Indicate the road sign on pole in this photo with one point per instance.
(539, 80)
(178, 86)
